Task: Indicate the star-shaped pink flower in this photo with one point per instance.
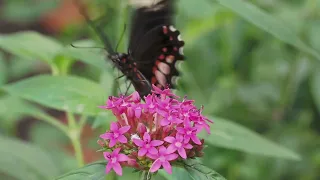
(113, 161)
(188, 133)
(116, 134)
(146, 145)
(178, 144)
(162, 159)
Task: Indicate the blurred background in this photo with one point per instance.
(237, 70)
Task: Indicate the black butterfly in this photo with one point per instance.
(154, 48)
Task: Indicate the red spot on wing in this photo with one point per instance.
(162, 56)
(165, 29)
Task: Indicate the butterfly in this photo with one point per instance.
(155, 46)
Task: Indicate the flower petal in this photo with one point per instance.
(142, 151)
(106, 135)
(138, 112)
(155, 166)
(153, 150)
(122, 139)
(112, 142)
(108, 167)
(171, 148)
(124, 129)
(162, 150)
(164, 122)
(146, 137)
(114, 126)
(122, 157)
(116, 152)
(169, 139)
(182, 153)
(156, 143)
(138, 142)
(171, 157)
(117, 168)
(153, 156)
(167, 166)
(195, 139)
(187, 146)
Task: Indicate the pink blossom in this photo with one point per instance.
(116, 134)
(163, 93)
(162, 159)
(113, 161)
(162, 130)
(188, 133)
(146, 145)
(170, 118)
(178, 144)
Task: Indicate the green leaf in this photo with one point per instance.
(3, 70)
(67, 93)
(268, 23)
(315, 88)
(177, 173)
(12, 108)
(234, 136)
(198, 171)
(30, 45)
(94, 171)
(25, 161)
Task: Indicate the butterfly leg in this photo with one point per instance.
(128, 87)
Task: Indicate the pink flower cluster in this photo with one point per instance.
(154, 134)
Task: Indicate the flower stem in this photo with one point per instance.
(146, 175)
(74, 135)
(75, 140)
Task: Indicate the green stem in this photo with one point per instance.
(74, 135)
(112, 176)
(146, 175)
(75, 140)
(82, 121)
(54, 69)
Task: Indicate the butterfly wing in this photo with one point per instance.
(155, 45)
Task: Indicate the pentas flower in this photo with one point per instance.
(116, 134)
(178, 144)
(146, 145)
(162, 159)
(113, 160)
(157, 133)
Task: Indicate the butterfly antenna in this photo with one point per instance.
(97, 29)
(121, 37)
(87, 47)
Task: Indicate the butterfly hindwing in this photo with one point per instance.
(159, 45)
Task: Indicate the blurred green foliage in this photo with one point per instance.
(255, 63)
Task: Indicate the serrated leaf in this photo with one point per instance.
(25, 161)
(30, 45)
(230, 135)
(67, 93)
(268, 23)
(92, 171)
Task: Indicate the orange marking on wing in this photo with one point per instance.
(153, 80)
